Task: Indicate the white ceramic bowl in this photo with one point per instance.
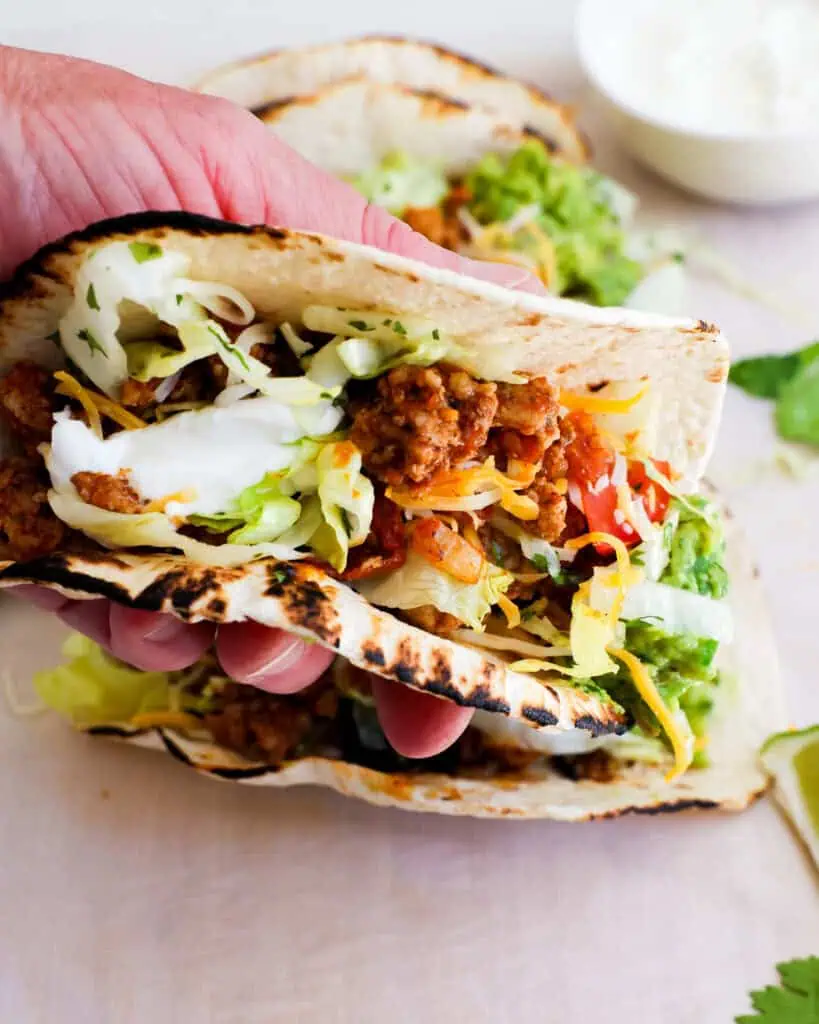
(761, 168)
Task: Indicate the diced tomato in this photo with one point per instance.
(446, 550)
(655, 497)
(591, 461)
(388, 526)
(362, 563)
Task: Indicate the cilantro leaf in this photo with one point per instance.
(91, 298)
(797, 410)
(87, 336)
(765, 376)
(794, 1001)
(144, 251)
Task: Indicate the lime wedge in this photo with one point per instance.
(792, 761)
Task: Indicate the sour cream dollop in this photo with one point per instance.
(211, 454)
(729, 67)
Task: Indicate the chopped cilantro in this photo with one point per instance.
(436, 334)
(85, 335)
(179, 299)
(794, 1001)
(280, 575)
(360, 325)
(144, 251)
(387, 322)
(91, 298)
(399, 328)
(561, 578)
(496, 551)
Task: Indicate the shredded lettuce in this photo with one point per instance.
(346, 498)
(392, 341)
(399, 182)
(92, 687)
(155, 530)
(418, 582)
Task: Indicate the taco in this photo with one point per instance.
(329, 735)
(268, 78)
(489, 496)
(470, 180)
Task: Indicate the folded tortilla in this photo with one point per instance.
(508, 780)
(350, 126)
(269, 78)
(281, 273)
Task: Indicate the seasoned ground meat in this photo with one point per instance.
(138, 394)
(113, 493)
(549, 491)
(436, 225)
(530, 408)
(28, 526)
(429, 618)
(440, 224)
(423, 420)
(386, 547)
(26, 402)
(266, 727)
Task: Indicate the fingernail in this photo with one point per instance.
(283, 659)
(165, 630)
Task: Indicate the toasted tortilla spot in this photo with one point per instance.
(373, 655)
(539, 715)
(217, 607)
(597, 727)
(482, 696)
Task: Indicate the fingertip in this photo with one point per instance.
(47, 600)
(155, 642)
(417, 724)
(270, 659)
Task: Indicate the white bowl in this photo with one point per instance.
(753, 168)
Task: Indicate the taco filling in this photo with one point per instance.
(564, 222)
(476, 502)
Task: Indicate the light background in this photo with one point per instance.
(133, 891)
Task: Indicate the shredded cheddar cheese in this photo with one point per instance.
(497, 243)
(466, 483)
(597, 403)
(160, 504)
(529, 666)
(169, 719)
(510, 610)
(623, 563)
(680, 744)
(93, 404)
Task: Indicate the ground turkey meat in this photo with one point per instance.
(441, 224)
(434, 224)
(427, 617)
(26, 402)
(28, 525)
(549, 491)
(266, 727)
(530, 408)
(113, 493)
(423, 420)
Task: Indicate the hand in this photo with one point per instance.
(80, 142)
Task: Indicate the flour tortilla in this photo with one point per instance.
(280, 272)
(349, 127)
(749, 708)
(258, 82)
